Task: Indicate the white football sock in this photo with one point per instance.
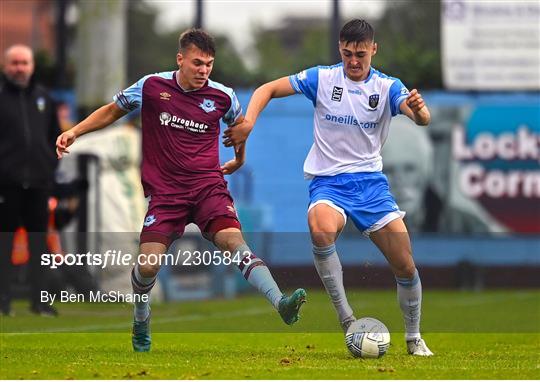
(258, 275)
(409, 292)
(141, 285)
(330, 271)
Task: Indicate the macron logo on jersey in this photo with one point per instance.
(350, 120)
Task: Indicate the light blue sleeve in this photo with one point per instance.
(306, 82)
(230, 117)
(131, 98)
(234, 111)
(397, 94)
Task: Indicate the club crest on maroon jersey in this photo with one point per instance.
(208, 105)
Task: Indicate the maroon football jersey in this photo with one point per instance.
(180, 131)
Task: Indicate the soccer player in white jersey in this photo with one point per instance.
(354, 104)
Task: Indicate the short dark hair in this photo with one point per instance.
(199, 38)
(356, 31)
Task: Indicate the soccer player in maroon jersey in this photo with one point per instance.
(181, 173)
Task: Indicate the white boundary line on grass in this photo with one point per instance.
(127, 325)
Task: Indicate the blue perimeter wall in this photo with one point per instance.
(272, 195)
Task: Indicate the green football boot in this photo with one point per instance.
(140, 337)
(289, 306)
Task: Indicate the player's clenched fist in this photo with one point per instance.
(237, 134)
(63, 141)
(415, 101)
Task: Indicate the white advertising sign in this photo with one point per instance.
(491, 45)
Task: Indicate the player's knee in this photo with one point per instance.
(323, 239)
(323, 233)
(228, 241)
(225, 233)
(406, 270)
(148, 270)
(232, 244)
(410, 271)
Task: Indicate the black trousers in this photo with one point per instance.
(23, 207)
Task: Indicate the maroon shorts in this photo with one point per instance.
(211, 208)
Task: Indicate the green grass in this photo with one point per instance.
(489, 335)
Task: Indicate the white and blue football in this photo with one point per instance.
(367, 338)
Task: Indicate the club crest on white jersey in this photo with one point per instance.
(351, 119)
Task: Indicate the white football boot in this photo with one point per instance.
(418, 347)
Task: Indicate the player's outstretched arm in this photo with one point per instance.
(239, 159)
(415, 108)
(99, 119)
(238, 134)
(239, 153)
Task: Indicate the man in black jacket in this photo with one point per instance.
(28, 130)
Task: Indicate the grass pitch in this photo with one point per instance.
(488, 335)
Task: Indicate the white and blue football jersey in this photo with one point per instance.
(351, 119)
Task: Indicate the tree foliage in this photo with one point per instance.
(296, 45)
(408, 37)
(229, 68)
(150, 51)
(147, 51)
